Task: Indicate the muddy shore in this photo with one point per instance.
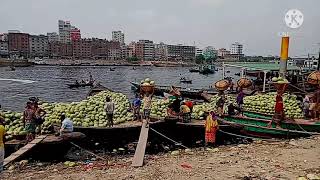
(258, 160)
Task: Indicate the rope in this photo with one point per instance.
(169, 138)
(302, 128)
(248, 137)
(88, 151)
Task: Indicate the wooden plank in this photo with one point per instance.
(23, 150)
(141, 147)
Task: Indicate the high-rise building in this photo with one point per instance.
(53, 37)
(39, 45)
(118, 36)
(64, 31)
(75, 34)
(18, 44)
(236, 50)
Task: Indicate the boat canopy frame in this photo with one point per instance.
(264, 67)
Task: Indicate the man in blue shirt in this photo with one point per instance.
(66, 125)
(136, 104)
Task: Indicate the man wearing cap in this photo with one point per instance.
(66, 125)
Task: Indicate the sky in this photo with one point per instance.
(218, 23)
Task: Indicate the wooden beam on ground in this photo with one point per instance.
(23, 150)
(141, 147)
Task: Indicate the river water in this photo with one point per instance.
(49, 82)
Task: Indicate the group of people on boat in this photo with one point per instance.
(311, 106)
(146, 100)
(90, 81)
(33, 117)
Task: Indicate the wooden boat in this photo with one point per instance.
(186, 81)
(193, 70)
(51, 148)
(259, 127)
(293, 124)
(80, 85)
(185, 92)
(96, 89)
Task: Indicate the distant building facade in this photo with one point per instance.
(161, 51)
(96, 48)
(60, 50)
(236, 50)
(4, 49)
(127, 52)
(181, 52)
(39, 45)
(18, 44)
(145, 50)
(53, 37)
(118, 36)
(64, 31)
(223, 53)
(4, 37)
(75, 34)
(199, 51)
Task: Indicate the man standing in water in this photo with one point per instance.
(109, 108)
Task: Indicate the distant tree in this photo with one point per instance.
(132, 59)
(200, 59)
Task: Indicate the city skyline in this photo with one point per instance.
(254, 24)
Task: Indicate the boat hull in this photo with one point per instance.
(298, 124)
(259, 128)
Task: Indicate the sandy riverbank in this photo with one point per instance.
(259, 160)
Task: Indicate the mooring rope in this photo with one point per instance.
(169, 138)
(88, 151)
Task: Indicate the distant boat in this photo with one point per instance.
(77, 85)
(194, 70)
(185, 80)
(112, 69)
(14, 62)
(207, 69)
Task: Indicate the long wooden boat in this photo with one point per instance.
(185, 92)
(293, 124)
(80, 85)
(51, 148)
(259, 127)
